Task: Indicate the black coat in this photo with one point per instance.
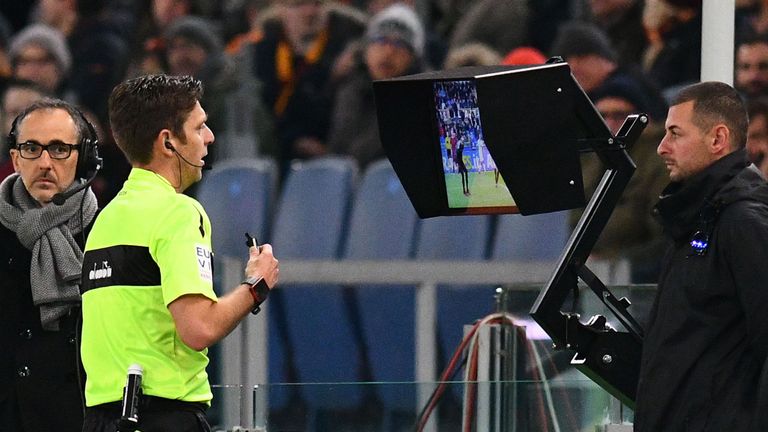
(707, 337)
(40, 385)
(308, 111)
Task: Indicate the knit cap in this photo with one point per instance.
(398, 22)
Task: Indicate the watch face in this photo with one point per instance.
(252, 281)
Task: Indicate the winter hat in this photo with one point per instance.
(524, 55)
(580, 39)
(623, 88)
(199, 31)
(45, 37)
(398, 22)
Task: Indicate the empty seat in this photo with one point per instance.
(383, 222)
(540, 237)
(238, 197)
(310, 339)
(383, 226)
(456, 238)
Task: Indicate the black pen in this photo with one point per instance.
(251, 241)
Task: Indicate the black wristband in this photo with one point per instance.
(259, 291)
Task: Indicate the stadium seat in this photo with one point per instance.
(310, 339)
(540, 237)
(238, 197)
(456, 238)
(383, 226)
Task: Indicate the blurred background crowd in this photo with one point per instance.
(291, 79)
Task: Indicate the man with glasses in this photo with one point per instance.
(40, 263)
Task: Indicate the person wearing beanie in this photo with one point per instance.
(195, 48)
(594, 63)
(39, 53)
(588, 51)
(524, 55)
(395, 42)
(190, 42)
(393, 46)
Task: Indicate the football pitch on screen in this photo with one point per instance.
(484, 192)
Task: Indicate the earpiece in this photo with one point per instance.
(170, 147)
(88, 162)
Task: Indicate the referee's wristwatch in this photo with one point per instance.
(259, 291)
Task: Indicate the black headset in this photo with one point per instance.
(88, 160)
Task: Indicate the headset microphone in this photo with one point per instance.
(170, 147)
(60, 197)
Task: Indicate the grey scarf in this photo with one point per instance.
(47, 231)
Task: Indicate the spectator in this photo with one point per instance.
(501, 28)
(751, 77)
(594, 63)
(631, 232)
(17, 96)
(751, 19)
(294, 60)
(253, 12)
(676, 56)
(98, 45)
(39, 53)
(435, 46)
(757, 134)
(148, 45)
(472, 54)
(524, 55)
(194, 48)
(5, 63)
(393, 46)
(622, 22)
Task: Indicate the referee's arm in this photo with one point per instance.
(201, 322)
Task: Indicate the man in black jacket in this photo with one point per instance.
(40, 264)
(707, 336)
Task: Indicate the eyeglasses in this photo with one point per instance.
(56, 149)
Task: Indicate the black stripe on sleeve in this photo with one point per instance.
(119, 265)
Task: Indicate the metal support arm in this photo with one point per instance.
(607, 356)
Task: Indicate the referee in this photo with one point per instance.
(148, 295)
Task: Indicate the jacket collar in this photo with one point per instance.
(683, 205)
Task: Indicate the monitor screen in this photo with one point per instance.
(472, 180)
(532, 119)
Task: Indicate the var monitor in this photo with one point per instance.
(487, 140)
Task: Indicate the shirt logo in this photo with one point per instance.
(204, 262)
(103, 272)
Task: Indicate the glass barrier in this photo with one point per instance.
(561, 404)
(226, 411)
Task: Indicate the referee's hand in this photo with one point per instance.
(262, 263)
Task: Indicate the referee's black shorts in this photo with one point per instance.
(155, 415)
